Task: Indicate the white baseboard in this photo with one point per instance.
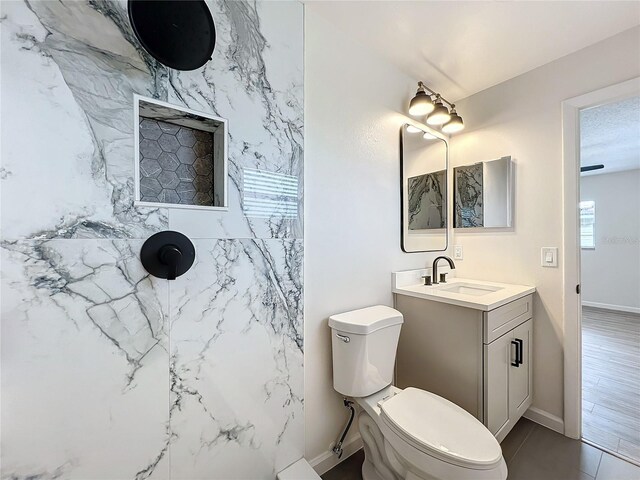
(607, 306)
(327, 460)
(545, 419)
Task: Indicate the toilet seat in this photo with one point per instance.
(440, 429)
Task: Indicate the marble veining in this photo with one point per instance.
(107, 372)
(271, 113)
(224, 359)
(73, 81)
(85, 353)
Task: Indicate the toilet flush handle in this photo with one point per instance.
(344, 338)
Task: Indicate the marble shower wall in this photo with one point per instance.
(108, 373)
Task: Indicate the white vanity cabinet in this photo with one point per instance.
(478, 359)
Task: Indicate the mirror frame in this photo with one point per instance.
(448, 187)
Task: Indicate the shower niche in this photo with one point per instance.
(180, 157)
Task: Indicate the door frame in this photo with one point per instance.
(571, 243)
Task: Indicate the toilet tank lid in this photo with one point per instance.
(365, 320)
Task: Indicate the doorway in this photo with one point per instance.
(571, 260)
(609, 246)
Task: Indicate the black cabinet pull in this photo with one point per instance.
(518, 344)
(515, 362)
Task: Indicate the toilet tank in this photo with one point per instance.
(364, 344)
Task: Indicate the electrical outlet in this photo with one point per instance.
(457, 252)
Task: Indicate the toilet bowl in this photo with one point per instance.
(418, 435)
(407, 434)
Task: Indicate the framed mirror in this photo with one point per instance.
(424, 160)
(483, 194)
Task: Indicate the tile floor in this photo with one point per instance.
(533, 452)
(611, 380)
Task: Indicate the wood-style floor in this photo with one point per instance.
(611, 380)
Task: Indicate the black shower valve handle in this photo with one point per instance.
(171, 256)
(167, 254)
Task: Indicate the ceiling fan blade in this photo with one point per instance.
(590, 168)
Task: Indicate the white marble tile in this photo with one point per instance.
(84, 361)
(68, 78)
(237, 361)
(73, 88)
(262, 97)
(89, 380)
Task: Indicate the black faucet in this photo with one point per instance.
(434, 269)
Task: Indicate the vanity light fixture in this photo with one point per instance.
(437, 112)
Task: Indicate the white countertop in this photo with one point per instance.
(497, 294)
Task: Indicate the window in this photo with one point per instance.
(588, 224)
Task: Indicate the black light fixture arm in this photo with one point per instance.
(433, 92)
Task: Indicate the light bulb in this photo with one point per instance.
(412, 129)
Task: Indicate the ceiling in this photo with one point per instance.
(460, 48)
(610, 135)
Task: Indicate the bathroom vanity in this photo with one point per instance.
(468, 341)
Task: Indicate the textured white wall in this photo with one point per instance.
(611, 272)
(521, 117)
(354, 107)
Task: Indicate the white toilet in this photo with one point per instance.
(408, 434)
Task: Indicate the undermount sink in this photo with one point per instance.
(470, 289)
(464, 292)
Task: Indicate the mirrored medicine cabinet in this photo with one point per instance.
(483, 194)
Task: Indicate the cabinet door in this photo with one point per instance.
(497, 360)
(520, 377)
(507, 382)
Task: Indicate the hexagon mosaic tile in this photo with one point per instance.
(176, 164)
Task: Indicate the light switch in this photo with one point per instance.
(457, 252)
(549, 257)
